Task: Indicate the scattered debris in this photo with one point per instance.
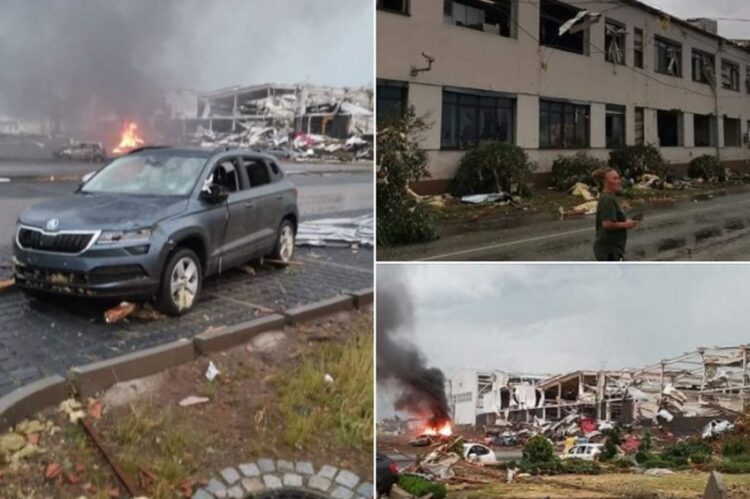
(73, 409)
(658, 472)
(501, 198)
(337, 232)
(328, 379)
(7, 284)
(95, 409)
(212, 371)
(119, 312)
(716, 428)
(193, 400)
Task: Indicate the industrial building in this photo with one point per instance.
(556, 79)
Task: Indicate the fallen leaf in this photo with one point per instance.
(33, 439)
(72, 478)
(53, 471)
(95, 409)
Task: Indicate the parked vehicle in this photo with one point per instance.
(587, 452)
(386, 474)
(501, 440)
(479, 453)
(84, 151)
(154, 223)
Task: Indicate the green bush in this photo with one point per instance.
(683, 452)
(634, 161)
(538, 449)
(552, 467)
(610, 445)
(733, 467)
(401, 161)
(418, 486)
(580, 467)
(646, 442)
(493, 167)
(736, 447)
(708, 168)
(568, 170)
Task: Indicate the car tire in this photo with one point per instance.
(181, 283)
(283, 251)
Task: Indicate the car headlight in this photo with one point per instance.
(139, 236)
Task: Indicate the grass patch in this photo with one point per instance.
(310, 406)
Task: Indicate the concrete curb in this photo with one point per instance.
(26, 401)
(318, 309)
(92, 378)
(215, 341)
(363, 297)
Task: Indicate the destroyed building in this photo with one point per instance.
(701, 385)
(556, 80)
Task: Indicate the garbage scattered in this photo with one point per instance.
(212, 371)
(337, 232)
(118, 313)
(7, 284)
(73, 409)
(502, 198)
(193, 400)
(716, 428)
(95, 409)
(328, 379)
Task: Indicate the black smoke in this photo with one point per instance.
(421, 389)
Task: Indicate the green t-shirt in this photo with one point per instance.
(609, 209)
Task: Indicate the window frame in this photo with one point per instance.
(735, 68)
(640, 131)
(563, 112)
(697, 52)
(739, 131)
(622, 112)
(667, 43)
(403, 88)
(623, 36)
(246, 161)
(680, 127)
(584, 34)
(450, 19)
(712, 139)
(406, 11)
(502, 102)
(638, 49)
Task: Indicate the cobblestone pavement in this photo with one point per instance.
(43, 337)
(264, 476)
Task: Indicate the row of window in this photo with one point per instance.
(471, 117)
(498, 17)
(462, 397)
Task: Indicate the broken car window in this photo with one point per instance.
(225, 174)
(257, 173)
(148, 175)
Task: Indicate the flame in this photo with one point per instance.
(129, 139)
(446, 430)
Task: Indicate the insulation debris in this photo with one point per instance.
(337, 232)
(118, 313)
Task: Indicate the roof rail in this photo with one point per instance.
(145, 148)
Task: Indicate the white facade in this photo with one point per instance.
(466, 391)
(530, 74)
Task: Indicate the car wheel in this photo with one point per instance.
(284, 249)
(181, 283)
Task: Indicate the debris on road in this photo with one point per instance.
(119, 312)
(501, 198)
(212, 371)
(73, 409)
(337, 232)
(7, 284)
(193, 400)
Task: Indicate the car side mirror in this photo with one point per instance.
(214, 193)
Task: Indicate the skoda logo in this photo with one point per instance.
(53, 223)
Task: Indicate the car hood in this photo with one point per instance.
(103, 211)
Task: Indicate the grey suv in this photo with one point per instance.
(155, 223)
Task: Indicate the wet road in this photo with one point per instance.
(689, 230)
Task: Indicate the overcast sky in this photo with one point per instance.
(711, 8)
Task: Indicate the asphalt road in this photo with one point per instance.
(688, 230)
(40, 338)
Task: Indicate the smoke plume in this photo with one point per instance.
(421, 388)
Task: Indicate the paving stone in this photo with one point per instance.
(365, 489)
(250, 469)
(230, 475)
(202, 494)
(305, 468)
(253, 485)
(319, 483)
(342, 492)
(216, 487)
(328, 471)
(266, 465)
(272, 481)
(236, 492)
(292, 480)
(347, 479)
(285, 465)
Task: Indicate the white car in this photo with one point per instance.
(479, 453)
(587, 452)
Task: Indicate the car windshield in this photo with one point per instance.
(156, 174)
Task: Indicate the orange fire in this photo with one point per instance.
(129, 139)
(446, 430)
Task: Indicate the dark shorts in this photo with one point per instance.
(609, 254)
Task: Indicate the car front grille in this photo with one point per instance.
(63, 242)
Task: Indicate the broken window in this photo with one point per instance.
(225, 174)
(638, 48)
(747, 78)
(614, 42)
(732, 132)
(730, 75)
(257, 173)
(490, 16)
(391, 100)
(668, 57)
(471, 117)
(615, 126)
(705, 130)
(397, 6)
(640, 128)
(669, 124)
(563, 125)
(703, 66)
(553, 15)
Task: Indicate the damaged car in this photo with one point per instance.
(153, 224)
(83, 151)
